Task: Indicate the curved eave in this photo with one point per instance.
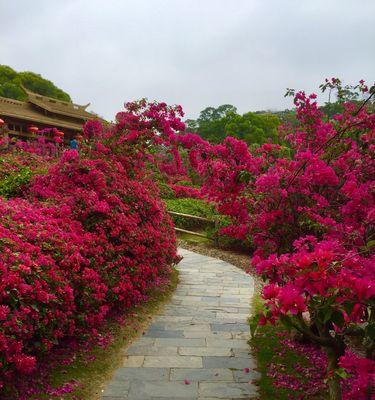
(84, 115)
(42, 120)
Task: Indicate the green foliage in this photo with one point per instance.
(12, 91)
(227, 242)
(165, 191)
(210, 114)
(214, 124)
(191, 125)
(6, 74)
(200, 208)
(16, 171)
(253, 128)
(12, 184)
(195, 207)
(11, 81)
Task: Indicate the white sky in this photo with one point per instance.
(196, 53)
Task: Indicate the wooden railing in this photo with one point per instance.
(191, 217)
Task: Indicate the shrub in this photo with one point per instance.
(191, 206)
(88, 240)
(311, 218)
(12, 184)
(16, 171)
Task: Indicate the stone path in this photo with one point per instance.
(196, 348)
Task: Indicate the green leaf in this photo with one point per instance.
(370, 330)
(254, 321)
(244, 176)
(342, 373)
(338, 318)
(287, 322)
(327, 315)
(348, 307)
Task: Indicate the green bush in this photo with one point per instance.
(17, 169)
(12, 184)
(195, 207)
(201, 208)
(11, 83)
(165, 191)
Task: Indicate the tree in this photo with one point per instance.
(210, 113)
(191, 125)
(11, 83)
(253, 128)
(215, 124)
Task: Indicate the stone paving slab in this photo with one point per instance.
(197, 347)
(202, 375)
(226, 390)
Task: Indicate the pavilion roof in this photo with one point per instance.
(26, 111)
(58, 106)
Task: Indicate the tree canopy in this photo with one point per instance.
(11, 83)
(214, 124)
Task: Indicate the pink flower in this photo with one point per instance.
(25, 364)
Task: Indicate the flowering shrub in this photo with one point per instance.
(89, 238)
(41, 146)
(181, 191)
(99, 237)
(17, 169)
(358, 373)
(309, 212)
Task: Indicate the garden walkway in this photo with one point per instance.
(196, 348)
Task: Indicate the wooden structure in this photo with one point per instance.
(42, 112)
(191, 217)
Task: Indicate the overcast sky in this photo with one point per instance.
(196, 53)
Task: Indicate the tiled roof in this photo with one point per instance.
(58, 106)
(28, 112)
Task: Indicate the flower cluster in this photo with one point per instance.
(88, 239)
(360, 372)
(308, 210)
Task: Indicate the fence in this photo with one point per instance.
(191, 217)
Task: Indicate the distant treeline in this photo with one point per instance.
(256, 128)
(214, 124)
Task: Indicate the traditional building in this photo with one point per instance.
(42, 112)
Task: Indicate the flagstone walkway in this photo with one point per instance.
(196, 348)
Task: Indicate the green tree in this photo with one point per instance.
(215, 124)
(11, 83)
(7, 74)
(12, 91)
(253, 128)
(191, 125)
(211, 114)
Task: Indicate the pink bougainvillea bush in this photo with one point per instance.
(308, 209)
(90, 236)
(88, 239)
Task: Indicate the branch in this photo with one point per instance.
(327, 342)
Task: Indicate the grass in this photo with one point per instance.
(190, 206)
(211, 228)
(267, 348)
(93, 375)
(192, 239)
